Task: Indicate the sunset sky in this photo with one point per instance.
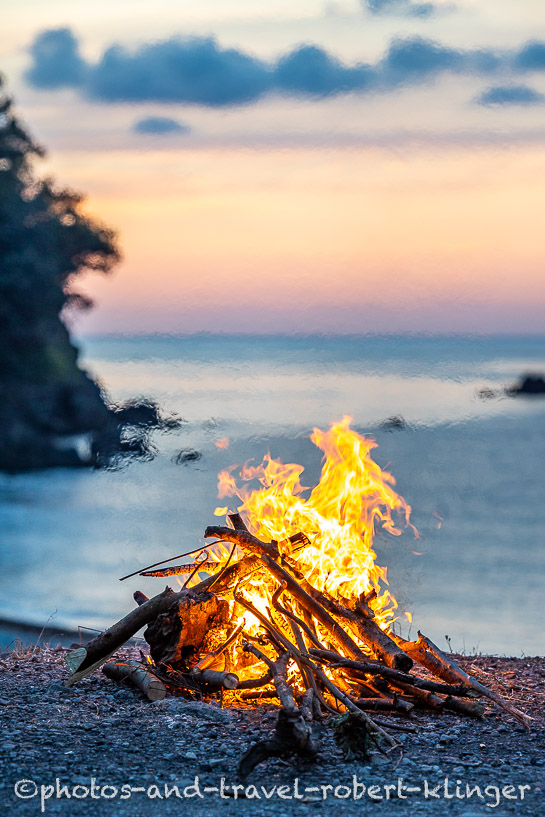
(270, 166)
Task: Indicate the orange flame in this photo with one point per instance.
(353, 499)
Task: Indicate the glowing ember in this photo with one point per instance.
(353, 499)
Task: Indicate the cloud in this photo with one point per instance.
(311, 71)
(56, 62)
(192, 70)
(531, 57)
(510, 95)
(415, 56)
(159, 126)
(413, 60)
(400, 8)
(196, 70)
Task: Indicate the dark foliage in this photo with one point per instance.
(46, 241)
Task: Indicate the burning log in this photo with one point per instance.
(250, 544)
(256, 683)
(259, 694)
(314, 608)
(136, 674)
(215, 678)
(208, 660)
(187, 628)
(365, 628)
(84, 660)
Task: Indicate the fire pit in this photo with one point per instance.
(296, 609)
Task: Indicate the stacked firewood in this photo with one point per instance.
(311, 652)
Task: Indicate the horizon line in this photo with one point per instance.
(144, 335)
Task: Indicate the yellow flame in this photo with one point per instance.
(353, 498)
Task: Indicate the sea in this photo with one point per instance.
(468, 457)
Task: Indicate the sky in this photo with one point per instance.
(341, 166)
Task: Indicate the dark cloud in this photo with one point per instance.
(194, 70)
(56, 62)
(400, 8)
(159, 126)
(412, 56)
(198, 71)
(311, 71)
(531, 57)
(415, 59)
(510, 95)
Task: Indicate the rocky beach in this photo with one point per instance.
(114, 752)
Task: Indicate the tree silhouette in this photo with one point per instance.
(46, 241)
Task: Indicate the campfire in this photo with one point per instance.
(294, 608)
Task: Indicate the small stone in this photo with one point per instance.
(190, 756)
(214, 762)
(56, 686)
(198, 709)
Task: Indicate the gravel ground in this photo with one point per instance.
(113, 735)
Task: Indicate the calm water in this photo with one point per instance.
(473, 470)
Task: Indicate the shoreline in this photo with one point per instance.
(29, 634)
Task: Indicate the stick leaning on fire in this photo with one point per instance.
(361, 668)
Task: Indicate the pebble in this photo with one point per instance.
(198, 709)
(217, 737)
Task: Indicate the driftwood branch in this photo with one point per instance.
(84, 660)
(344, 641)
(293, 728)
(248, 543)
(215, 678)
(136, 674)
(429, 655)
(365, 628)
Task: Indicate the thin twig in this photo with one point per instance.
(180, 556)
(178, 570)
(198, 566)
(224, 568)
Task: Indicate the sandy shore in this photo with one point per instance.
(113, 735)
